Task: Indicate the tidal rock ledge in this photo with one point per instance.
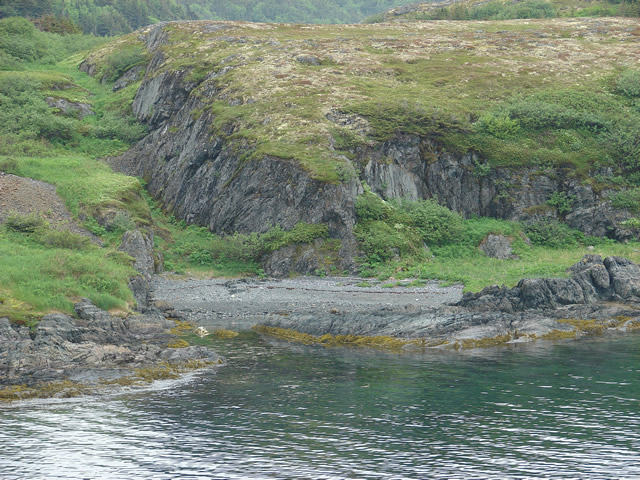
(96, 346)
(599, 295)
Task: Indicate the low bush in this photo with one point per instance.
(498, 126)
(626, 199)
(436, 224)
(628, 83)
(551, 233)
(29, 223)
(64, 239)
(561, 201)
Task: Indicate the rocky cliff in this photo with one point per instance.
(255, 125)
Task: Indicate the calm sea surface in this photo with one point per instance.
(279, 410)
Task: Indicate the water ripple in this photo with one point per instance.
(284, 411)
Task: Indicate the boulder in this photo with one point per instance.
(497, 246)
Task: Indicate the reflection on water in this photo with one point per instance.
(290, 411)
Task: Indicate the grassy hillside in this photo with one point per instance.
(540, 93)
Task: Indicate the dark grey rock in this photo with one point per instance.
(181, 355)
(132, 75)
(65, 347)
(140, 246)
(308, 60)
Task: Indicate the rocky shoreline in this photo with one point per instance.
(97, 348)
(600, 295)
(93, 350)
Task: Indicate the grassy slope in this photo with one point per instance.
(504, 9)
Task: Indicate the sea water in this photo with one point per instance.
(281, 410)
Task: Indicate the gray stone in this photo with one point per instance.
(77, 109)
(130, 76)
(308, 60)
(65, 347)
(497, 246)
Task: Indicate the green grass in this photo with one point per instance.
(37, 279)
(463, 262)
(441, 83)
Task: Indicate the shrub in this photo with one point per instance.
(551, 233)
(628, 83)
(381, 242)
(498, 126)
(626, 199)
(119, 127)
(302, 232)
(24, 223)
(435, 223)
(65, 239)
(562, 202)
(370, 206)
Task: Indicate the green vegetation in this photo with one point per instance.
(396, 246)
(122, 16)
(21, 41)
(194, 249)
(505, 10)
(44, 265)
(43, 270)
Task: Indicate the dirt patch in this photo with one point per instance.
(25, 195)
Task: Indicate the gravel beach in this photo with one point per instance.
(242, 303)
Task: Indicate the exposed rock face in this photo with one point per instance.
(140, 246)
(408, 166)
(63, 346)
(205, 180)
(615, 279)
(532, 308)
(80, 110)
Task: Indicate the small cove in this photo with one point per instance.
(282, 410)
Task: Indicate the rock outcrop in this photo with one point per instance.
(605, 291)
(139, 245)
(63, 347)
(220, 178)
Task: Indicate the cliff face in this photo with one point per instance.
(243, 130)
(408, 166)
